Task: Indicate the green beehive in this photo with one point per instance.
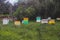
(25, 21)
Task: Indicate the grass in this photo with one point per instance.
(32, 31)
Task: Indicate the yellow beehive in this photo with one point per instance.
(17, 23)
(25, 18)
(51, 21)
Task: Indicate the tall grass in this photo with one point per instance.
(32, 31)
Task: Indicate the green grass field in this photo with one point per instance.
(32, 31)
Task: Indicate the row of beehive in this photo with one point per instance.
(6, 21)
(26, 21)
(49, 20)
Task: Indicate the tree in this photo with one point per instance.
(43, 8)
(30, 11)
(4, 7)
(19, 13)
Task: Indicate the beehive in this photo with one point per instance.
(38, 19)
(44, 21)
(17, 22)
(25, 21)
(51, 21)
(5, 21)
(25, 18)
(58, 19)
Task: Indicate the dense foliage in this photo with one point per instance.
(43, 8)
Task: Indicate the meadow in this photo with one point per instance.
(32, 31)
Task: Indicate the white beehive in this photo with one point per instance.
(5, 21)
(43, 21)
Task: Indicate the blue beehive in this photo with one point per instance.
(38, 19)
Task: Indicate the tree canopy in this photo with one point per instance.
(31, 8)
